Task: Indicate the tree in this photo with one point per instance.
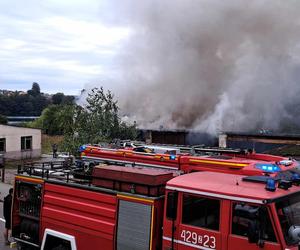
(103, 115)
(35, 90)
(58, 98)
(55, 120)
(98, 121)
(18, 103)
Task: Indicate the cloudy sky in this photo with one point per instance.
(205, 64)
(62, 45)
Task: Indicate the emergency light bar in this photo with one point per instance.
(82, 148)
(269, 168)
(172, 157)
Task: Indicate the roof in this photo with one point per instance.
(270, 135)
(18, 127)
(226, 186)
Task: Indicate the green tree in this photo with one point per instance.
(35, 90)
(98, 121)
(103, 115)
(58, 98)
(19, 103)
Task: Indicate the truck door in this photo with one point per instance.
(199, 226)
(242, 217)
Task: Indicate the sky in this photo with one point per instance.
(209, 65)
(62, 45)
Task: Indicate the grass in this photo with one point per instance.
(48, 141)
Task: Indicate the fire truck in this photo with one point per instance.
(142, 208)
(187, 159)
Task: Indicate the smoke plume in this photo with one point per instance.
(207, 64)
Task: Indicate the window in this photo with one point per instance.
(54, 240)
(172, 205)
(288, 215)
(242, 214)
(26, 142)
(2, 145)
(201, 212)
(53, 243)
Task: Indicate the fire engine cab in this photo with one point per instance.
(138, 208)
(207, 210)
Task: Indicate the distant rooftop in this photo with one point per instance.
(263, 134)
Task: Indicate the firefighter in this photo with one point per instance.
(54, 150)
(7, 215)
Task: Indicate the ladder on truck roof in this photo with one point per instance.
(51, 170)
(192, 149)
(58, 174)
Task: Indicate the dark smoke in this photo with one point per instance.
(207, 64)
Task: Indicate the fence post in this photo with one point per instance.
(2, 163)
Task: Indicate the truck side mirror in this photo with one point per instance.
(172, 205)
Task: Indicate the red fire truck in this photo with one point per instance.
(236, 161)
(138, 208)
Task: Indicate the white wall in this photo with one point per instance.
(13, 141)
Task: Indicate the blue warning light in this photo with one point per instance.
(296, 179)
(82, 148)
(269, 168)
(271, 185)
(172, 157)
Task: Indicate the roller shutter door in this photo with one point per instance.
(134, 226)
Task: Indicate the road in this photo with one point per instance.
(3, 192)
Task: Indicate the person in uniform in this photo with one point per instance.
(7, 205)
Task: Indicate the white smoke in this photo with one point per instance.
(208, 64)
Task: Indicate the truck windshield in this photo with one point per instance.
(288, 210)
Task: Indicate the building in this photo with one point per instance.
(18, 120)
(177, 136)
(262, 142)
(20, 143)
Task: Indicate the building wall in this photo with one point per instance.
(13, 142)
(166, 137)
(179, 137)
(260, 143)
